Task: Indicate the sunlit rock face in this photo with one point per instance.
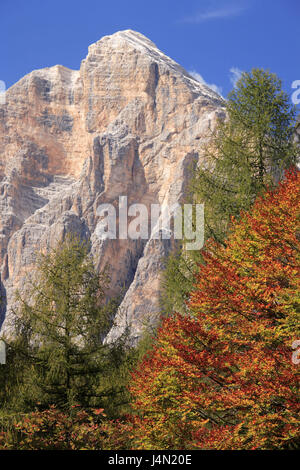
(130, 122)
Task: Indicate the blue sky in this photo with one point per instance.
(212, 38)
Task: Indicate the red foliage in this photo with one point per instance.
(222, 377)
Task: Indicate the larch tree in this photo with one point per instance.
(59, 329)
(247, 152)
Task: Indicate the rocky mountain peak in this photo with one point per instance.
(129, 42)
(129, 122)
(131, 38)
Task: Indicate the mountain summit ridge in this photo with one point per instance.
(131, 36)
(144, 45)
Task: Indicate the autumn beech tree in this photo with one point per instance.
(222, 376)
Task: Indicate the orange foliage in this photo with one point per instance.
(53, 429)
(222, 377)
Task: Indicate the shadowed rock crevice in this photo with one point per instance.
(3, 303)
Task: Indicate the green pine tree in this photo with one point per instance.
(59, 331)
(247, 152)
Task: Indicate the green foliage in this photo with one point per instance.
(248, 152)
(11, 375)
(177, 280)
(58, 356)
(144, 345)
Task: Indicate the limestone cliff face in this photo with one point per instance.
(129, 122)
